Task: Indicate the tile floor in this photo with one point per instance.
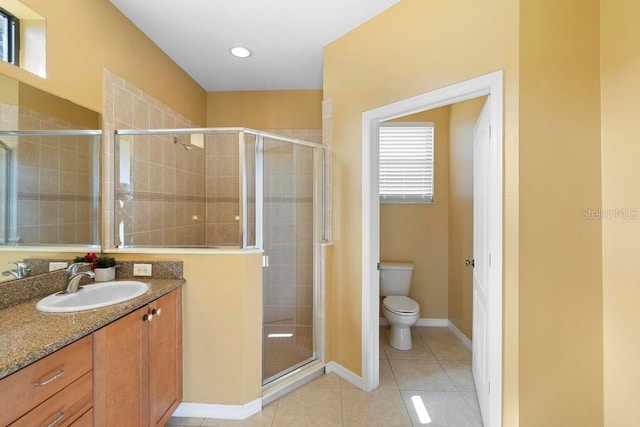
(437, 370)
(282, 352)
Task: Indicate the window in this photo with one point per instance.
(9, 37)
(406, 162)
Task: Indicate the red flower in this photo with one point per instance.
(90, 257)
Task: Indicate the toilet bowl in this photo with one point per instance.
(402, 313)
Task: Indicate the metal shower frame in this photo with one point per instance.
(318, 173)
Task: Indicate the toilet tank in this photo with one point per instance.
(395, 278)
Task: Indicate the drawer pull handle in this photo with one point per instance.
(59, 417)
(53, 378)
(156, 311)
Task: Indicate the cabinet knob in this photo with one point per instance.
(156, 311)
(147, 317)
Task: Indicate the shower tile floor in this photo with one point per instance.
(436, 371)
(280, 352)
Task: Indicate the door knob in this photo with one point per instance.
(470, 262)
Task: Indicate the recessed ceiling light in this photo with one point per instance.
(240, 52)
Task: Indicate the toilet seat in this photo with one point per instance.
(400, 305)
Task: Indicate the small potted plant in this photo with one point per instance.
(102, 265)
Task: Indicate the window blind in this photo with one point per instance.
(406, 162)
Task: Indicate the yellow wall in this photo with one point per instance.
(276, 109)
(222, 323)
(419, 233)
(41, 101)
(9, 90)
(620, 68)
(462, 120)
(83, 37)
(330, 316)
(437, 42)
(560, 250)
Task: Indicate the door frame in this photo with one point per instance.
(488, 84)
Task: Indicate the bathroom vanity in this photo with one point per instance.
(138, 365)
(97, 367)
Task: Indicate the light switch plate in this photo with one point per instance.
(142, 270)
(53, 266)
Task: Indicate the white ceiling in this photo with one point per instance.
(285, 36)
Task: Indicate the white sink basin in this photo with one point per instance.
(93, 296)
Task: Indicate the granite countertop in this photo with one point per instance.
(27, 335)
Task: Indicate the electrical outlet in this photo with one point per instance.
(142, 270)
(53, 266)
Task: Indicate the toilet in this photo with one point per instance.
(401, 311)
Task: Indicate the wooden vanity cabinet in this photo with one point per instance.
(138, 365)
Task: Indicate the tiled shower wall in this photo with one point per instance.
(288, 281)
(223, 190)
(54, 181)
(160, 191)
(163, 200)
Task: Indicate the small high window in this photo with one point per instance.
(406, 162)
(9, 37)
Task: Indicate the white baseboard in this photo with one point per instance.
(462, 337)
(345, 374)
(432, 322)
(209, 410)
(421, 322)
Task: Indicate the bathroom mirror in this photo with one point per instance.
(49, 174)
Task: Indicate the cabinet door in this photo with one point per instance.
(165, 357)
(121, 372)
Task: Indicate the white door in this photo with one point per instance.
(481, 151)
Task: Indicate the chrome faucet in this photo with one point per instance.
(75, 276)
(19, 272)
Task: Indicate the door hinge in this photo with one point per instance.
(378, 266)
(489, 260)
(265, 261)
(489, 131)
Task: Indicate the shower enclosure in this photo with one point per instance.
(289, 236)
(232, 188)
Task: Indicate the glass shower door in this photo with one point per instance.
(288, 279)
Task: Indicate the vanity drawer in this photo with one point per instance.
(63, 408)
(24, 390)
(86, 420)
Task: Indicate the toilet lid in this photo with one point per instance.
(400, 304)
